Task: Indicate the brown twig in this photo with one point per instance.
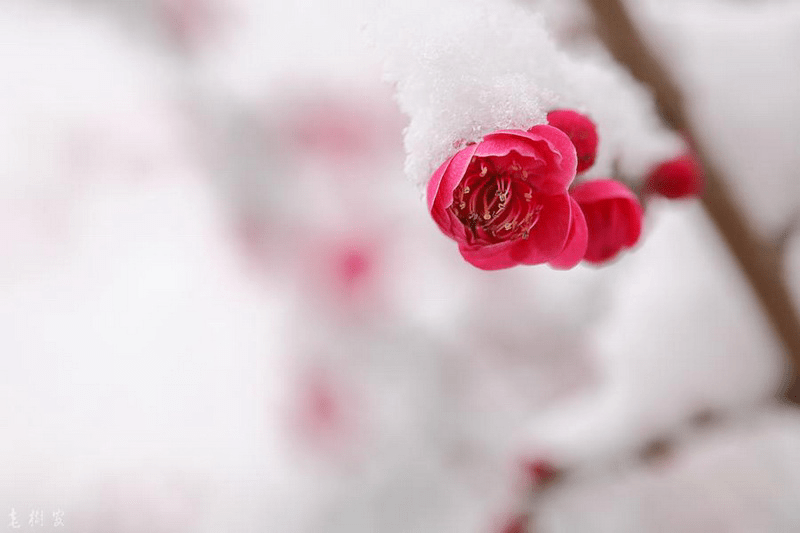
(759, 260)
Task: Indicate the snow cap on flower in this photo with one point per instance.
(461, 73)
(581, 131)
(613, 217)
(471, 67)
(505, 201)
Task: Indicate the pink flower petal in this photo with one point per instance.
(542, 143)
(491, 257)
(440, 192)
(577, 241)
(602, 189)
(581, 131)
(453, 227)
(548, 236)
(613, 217)
(448, 176)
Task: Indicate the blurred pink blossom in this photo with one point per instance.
(581, 131)
(613, 216)
(681, 177)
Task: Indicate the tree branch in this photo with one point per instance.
(759, 260)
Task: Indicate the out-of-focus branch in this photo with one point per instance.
(760, 261)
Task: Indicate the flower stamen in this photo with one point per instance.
(501, 205)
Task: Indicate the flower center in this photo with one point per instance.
(496, 202)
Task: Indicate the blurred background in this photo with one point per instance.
(223, 306)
